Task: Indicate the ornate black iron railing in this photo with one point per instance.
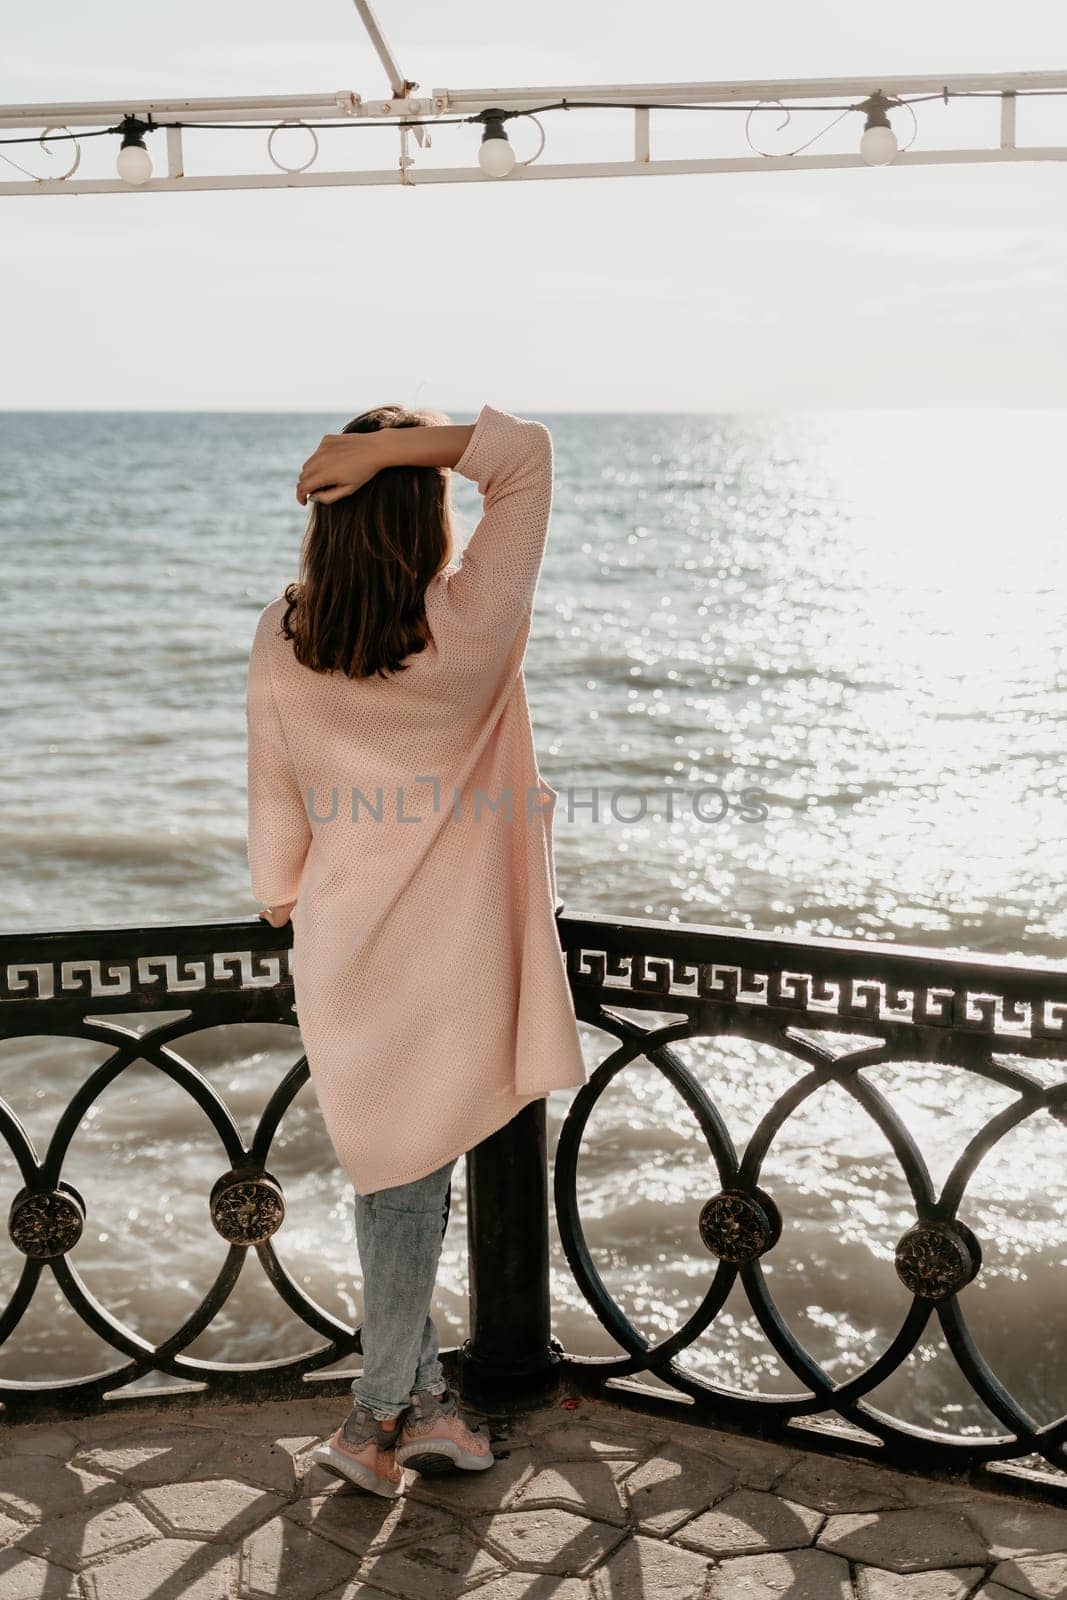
(802, 997)
(65, 984)
(881, 1004)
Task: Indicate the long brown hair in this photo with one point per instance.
(366, 561)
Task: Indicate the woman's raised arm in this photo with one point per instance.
(345, 461)
(509, 458)
(511, 461)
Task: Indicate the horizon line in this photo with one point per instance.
(591, 411)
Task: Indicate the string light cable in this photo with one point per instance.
(496, 156)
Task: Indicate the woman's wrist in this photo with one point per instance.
(436, 445)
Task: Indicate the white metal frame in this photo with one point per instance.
(345, 106)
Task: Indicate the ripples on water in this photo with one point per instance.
(860, 614)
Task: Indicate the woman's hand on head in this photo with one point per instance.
(342, 463)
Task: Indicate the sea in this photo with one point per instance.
(859, 614)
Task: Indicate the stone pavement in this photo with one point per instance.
(585, 1502)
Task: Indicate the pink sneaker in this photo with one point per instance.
(435, 1438)
(363, 1453)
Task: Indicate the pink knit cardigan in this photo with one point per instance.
(407, 818)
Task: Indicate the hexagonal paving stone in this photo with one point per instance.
(748, 1521)
(280, 1464)
(283, 1560)
(1014, 1528)
(588, 1415)
(356, 1589)
(210, 1508)
(521, 1429)
(168, 1567)
(430, 1569)
(120, 1419)
(798, 1575)
(474, 1492)
(525, 1425)
(26, 1577)
(835, 1484)
(922, 1491)
(36, 1486)
(591, 1440)
(34, 1439)
(643, 1567)
(532, 1586)
(163, 1454)
(11, 1529)
(591, 1488)
(547, 1541)
(874, 1584)
(292, 1418)
(673, 1484)
(101, 1425)
(906, 1541)
(1037, 1577)
(365, 1522)
(78, 1538)
(758, 1462)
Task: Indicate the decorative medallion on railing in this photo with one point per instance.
(247, 1208)
(739, 1227)
(937, 1259)
(46, 1223)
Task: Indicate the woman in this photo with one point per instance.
(397, 815)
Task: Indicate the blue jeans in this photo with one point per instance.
(398, 1235)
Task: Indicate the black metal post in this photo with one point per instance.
(510, 1360)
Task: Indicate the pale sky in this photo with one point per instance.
(900, 287)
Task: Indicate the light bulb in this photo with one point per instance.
(495, 155)
(878, 145)
(134, 164)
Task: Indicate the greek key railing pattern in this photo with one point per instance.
(1009, 1004)
(144, 980)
